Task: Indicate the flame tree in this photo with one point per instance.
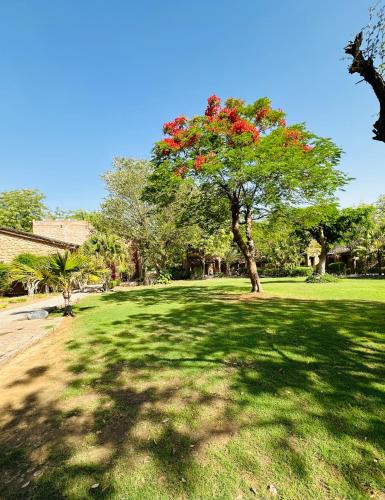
(247, 155)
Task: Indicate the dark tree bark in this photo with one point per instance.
(364, 66)
(248, 248)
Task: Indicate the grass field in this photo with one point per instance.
(197, 390)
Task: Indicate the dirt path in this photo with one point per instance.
(38, 370)
(29, 389)
(17, 333)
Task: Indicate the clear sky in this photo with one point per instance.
(83, 81)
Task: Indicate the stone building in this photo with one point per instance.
(70, 231)
(13, 243)
(48, 237)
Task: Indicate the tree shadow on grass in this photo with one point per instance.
(293, 372)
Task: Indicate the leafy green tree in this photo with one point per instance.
(212, 246)
(330, 226)
(247, 156)
(159, 235)
(77, 214)
(369, 245)
(279, 245)
(20, 207)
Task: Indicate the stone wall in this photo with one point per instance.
(70, 231)
(13, 245)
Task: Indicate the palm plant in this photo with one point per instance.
(112, 250)
(29, 271)
(61, 272)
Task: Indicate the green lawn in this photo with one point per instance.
(188, 391)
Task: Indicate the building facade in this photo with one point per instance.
(13, 243)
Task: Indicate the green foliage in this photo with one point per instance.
(301, 271)
(179, 272)
(77, 214)
(369, 243)
(164, 278)
(159, 235)
(4, 278)
(63, 271)
(30, 259)
(29, 270)
(337, 268)
(321, 278)
(297, 271)
(114, 283)
(244, 156)
(338, 226)
(112, 249)
(20, 207)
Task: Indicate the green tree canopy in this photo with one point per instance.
(20, 207)
(329, 225)
(246, 155)
(160, 235)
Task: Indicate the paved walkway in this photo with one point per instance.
(17, 333)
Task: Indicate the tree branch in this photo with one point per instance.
(364, 66)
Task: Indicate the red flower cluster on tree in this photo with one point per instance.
(242, 126)
(307, 148)
(172, 143)
(213, 105)
(233, 119)
(199, 161)
(175, 126)
(261, 114)
(231, 114)
(293, 135)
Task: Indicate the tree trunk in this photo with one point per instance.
(203, 261)
(227, 269)
(247, 249)
(364, 66)
(379, 262)
(321, 266)
(67, 304)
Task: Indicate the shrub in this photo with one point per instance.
(114, 283)
(337, 268)
(4, 279)
(179, 273)
(30, 259)
(163, 278)
(321, 278)
(274, 272)
(301, 271)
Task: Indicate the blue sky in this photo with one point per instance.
(84, 81)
